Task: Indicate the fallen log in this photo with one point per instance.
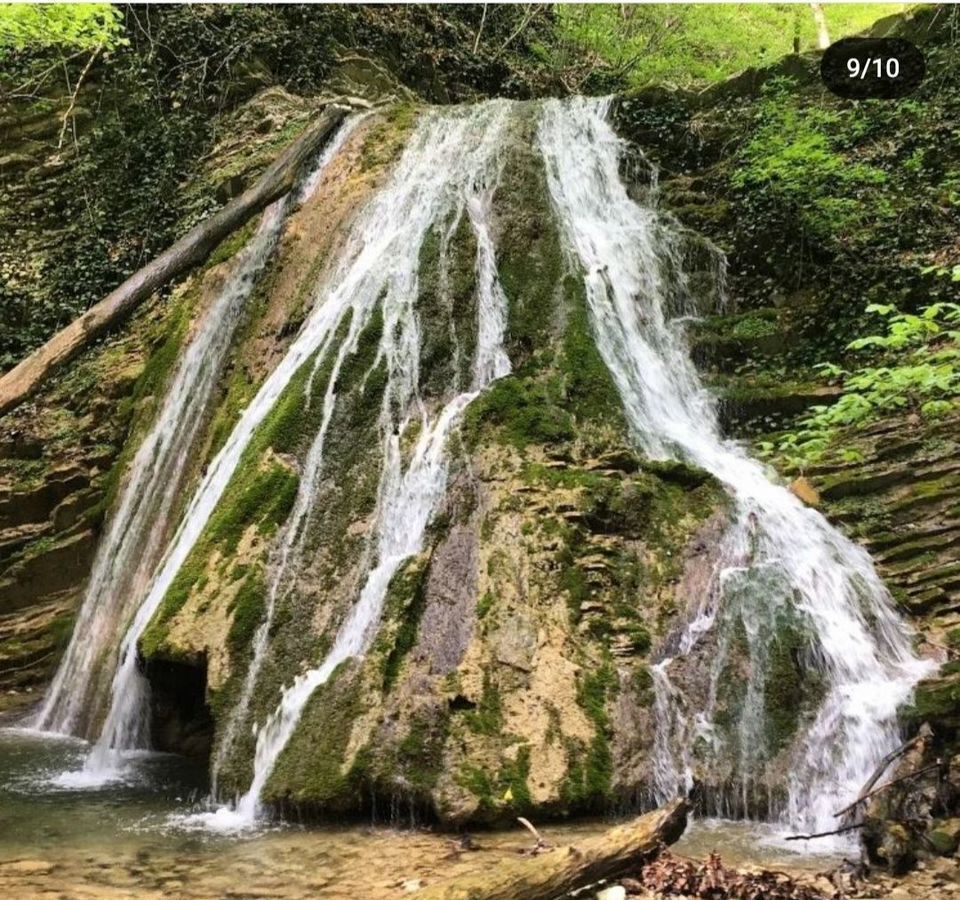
(553, 873)
(191, 250)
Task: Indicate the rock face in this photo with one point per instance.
(509, 672)
(64, 454)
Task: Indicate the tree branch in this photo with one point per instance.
(76, 93)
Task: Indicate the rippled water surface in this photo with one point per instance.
(119, 841)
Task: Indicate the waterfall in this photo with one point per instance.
(425, 470)
(781, 558)
(120, 584)
(450, 168)
(133, 543)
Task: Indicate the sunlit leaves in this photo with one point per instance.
(71, 26)
(919, 371)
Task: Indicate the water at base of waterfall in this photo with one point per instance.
(119, 840)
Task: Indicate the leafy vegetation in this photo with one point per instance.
(689, 44)
(67, 26)
(916, 368)
(124, 183)
(795, 163)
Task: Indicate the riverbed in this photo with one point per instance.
(127, 840)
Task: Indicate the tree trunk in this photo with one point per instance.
(823, 34)
(191, 250)
(556, 872)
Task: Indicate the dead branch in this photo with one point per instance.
(882, 767)
(483, 18)
(541, 844)
(889, 784)
(820, 834)
(76, 93)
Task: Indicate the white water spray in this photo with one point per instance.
(860, 647)
(450, 166)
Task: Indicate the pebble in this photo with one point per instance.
(617, 892)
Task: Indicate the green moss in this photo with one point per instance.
(487, 718)
(479, 783)
(265, 499)
(419, 756)
(590, 768)
(140, 408)
(485, 604)
(403, 606)
(233, 243)
(519, 411)
(644, 686)
(530, 258)
(248, 609)
(784, 691)
(323, 738)
(937, 701)
(505, 793)
(388, 136)
(591, 392)
(943, 841)
(446, 308)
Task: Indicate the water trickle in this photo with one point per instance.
(129, 576)
(781, 557)
(133, 543)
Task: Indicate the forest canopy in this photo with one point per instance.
(675, 43)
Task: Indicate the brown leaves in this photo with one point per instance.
(672, 876)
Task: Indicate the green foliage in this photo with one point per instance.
(696, 43)
(152, 108)
(794, 162)
(67, 26)
(919, 370)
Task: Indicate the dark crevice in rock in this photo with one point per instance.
(180, 719)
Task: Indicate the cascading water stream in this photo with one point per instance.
(128, 555)
(780, 556)
(450, 168)
(131, 548)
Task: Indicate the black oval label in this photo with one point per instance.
(864, 68)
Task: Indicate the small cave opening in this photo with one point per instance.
(180, 718)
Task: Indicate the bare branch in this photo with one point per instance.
(73, 98)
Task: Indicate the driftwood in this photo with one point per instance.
(822, 834)
(556, 872)
(889, 784)
(191, 250)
